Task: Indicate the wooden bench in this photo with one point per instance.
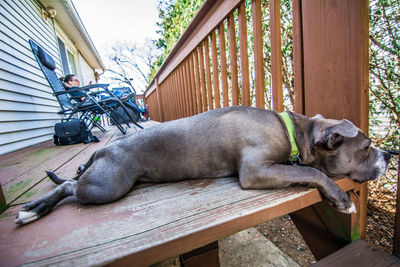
(153, 222)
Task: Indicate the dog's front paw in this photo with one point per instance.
(347, 207)
(351, 209)
(340, 200)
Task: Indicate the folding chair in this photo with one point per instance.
(88, 107)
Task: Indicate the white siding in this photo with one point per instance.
(28, 110)
(86, 71)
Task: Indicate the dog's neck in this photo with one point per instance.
(303, 137)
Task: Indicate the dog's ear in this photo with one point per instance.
(332, 137)
(318, 116)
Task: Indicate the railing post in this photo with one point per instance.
(333, 66)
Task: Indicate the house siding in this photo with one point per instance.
(86, 71)
(28, 110)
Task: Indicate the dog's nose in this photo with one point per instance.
(387, 156)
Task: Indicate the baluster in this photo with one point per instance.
(244, 57)
(233, 59)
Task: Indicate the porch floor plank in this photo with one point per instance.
(66, 170)
(21, 182)
(45, 161)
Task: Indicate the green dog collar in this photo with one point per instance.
(294, 156)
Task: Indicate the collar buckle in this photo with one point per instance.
(295, 158)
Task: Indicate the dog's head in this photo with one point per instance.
(344, 151)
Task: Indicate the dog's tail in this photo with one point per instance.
(81, 169)
(55, 178)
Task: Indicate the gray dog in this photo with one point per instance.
(253, 144)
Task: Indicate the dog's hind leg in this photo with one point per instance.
(110, 177)
(103, 185)
(36, 209)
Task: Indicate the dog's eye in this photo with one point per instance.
(367, 146)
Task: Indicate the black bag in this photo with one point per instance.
(72, 132)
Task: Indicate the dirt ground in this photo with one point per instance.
(283, 233)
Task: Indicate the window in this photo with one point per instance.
(64, 60)
(71, 62)
(67, 58)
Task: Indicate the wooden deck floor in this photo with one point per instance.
(153, 222)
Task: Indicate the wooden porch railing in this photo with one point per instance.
(197, 76)
(211, 67)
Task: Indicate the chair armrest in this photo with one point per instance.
(60, 93)
(85, 89)
(91, 86)
(75, 89)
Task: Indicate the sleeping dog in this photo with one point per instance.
(253, 144)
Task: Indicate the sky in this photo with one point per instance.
(110, 21)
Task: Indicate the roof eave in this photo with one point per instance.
(68, 19)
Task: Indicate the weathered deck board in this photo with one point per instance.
(14, 165)
(153, 222)
(17, 163)
(148, 217)
(22, 172)
(52, 161)
(65, 170)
